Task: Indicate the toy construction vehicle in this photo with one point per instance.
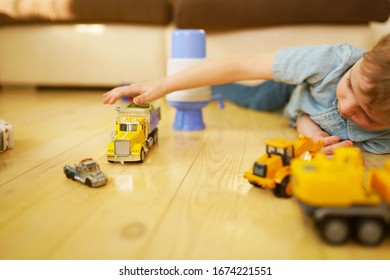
(6, 136)
(272, 170)
(87, 172)
(333, 193)
(135, 132)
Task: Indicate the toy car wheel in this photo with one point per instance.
(276, 191)
(334, 230)
(142, 156)
(284, 189)
(370, 231)
(88, 183)
(69, 175)
(155, 137)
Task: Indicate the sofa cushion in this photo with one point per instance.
(230, 14)
(133, 11)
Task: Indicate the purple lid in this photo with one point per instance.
(189, 43)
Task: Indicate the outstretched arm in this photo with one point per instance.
(306, 126)
(206, 73)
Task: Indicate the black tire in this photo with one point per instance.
(142, 156)
(276, 191)
(370, 231)
(155, 137)
(88, 183)
(335, 230)
(282, 190)
(69, 175)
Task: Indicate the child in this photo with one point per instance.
(340, 93)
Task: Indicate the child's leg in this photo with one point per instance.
(268, 96)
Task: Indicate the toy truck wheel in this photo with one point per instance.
(155, 137)
(334, 230)
(284, 189)
(88, 183)
(142, 156)
(69, 175)
(370, 231)
(276, 191)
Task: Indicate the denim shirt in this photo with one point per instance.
(317, 70)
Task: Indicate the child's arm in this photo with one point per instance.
(307, 127)
(206, 73)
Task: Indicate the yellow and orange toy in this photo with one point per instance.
(333, 192)
(272, 170)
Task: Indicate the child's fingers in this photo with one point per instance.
(142, 98)
(113, 95)
(148, 94)
(328, 150)
(139, 100)
(330, 140)
(141, 92)
(110, 96)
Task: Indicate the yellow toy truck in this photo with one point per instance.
(135, 132)
(342, 199)
(272, 170)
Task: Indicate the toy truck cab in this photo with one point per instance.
(281, 150)
(135, 132)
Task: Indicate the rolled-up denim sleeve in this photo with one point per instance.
(376, 146)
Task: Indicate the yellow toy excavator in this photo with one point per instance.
(272, 170)
(342, 198)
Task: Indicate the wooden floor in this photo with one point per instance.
(188, 200)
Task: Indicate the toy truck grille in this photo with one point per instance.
(122, 147)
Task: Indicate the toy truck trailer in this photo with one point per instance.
(6, 136)
(272, 170)
(333, 193)
(135, 132)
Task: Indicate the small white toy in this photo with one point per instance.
(6, 136)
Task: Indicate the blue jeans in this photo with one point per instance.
(268, 96)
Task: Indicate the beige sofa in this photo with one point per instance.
(85, 43)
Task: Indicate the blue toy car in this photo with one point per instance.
(87, 172)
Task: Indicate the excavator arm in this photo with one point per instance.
(306, 144)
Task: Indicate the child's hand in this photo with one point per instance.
(330, 142)
(140, 92)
